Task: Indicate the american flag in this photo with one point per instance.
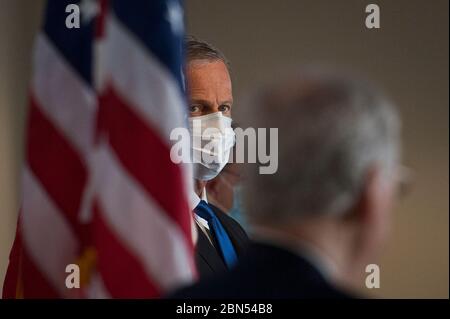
(99, 189)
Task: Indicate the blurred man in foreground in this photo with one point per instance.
(323, 216)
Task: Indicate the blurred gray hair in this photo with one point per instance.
(332, 129)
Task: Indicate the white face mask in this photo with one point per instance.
(213, 139)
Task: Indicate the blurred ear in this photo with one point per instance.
(376, 196)
(371, 214)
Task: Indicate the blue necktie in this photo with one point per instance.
(226, 247)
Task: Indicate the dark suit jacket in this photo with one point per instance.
(266, 272)
(208, 260)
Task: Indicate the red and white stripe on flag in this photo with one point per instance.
(99, 188)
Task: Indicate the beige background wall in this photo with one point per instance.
(408, 56)
(18, 22)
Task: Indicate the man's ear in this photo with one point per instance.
(372, 210)
(371, 193)
(379, 193)
(373, 198)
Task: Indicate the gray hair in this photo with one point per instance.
(332, 129)
(200, 50)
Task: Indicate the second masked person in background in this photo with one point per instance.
(221, 240)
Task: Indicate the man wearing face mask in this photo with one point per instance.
(221, 240)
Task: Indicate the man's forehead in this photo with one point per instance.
(208, 70)
(208, 76)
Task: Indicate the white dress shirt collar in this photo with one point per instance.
(195, 199)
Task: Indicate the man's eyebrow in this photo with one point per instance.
(200, 101)
(207, 103)
(230, 102)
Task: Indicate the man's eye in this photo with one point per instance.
(194, 108)
(224, 108)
